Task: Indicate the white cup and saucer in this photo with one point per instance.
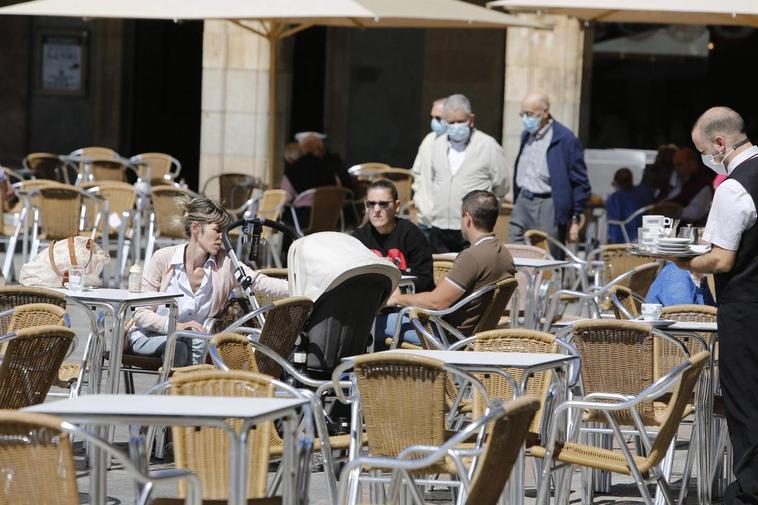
(651, 314)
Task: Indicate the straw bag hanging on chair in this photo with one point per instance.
(50, 267)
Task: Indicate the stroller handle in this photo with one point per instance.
(257, 223)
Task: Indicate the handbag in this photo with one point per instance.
(49, 268)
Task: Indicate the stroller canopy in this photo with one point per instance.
(322, 261)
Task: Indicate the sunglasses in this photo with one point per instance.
(383, 204)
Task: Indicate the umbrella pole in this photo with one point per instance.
(273, 42)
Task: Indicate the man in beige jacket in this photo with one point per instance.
(464, 159)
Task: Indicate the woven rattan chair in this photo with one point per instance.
(403, 402)
(164, 226)
(49, 166)
(30, 364)
(37, 461)
(619, 358)
(625, 304)
(156, 167)
(234, 191)
(507, 427)
(277, 273)
(326, 211)
(645, 467)
(440, 268)
(491, 300)
(619, 260)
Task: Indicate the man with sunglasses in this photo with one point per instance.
(397, 239)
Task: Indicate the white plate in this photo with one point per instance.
(700, 248)
(673, 240)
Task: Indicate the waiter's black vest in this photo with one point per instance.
(741, 283)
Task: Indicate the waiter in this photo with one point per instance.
(719, 135)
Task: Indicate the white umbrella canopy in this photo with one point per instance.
(277, 19)
(701, 12)
(361, 13)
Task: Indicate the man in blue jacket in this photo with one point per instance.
(550, 178)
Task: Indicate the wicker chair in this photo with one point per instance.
(507, 425)
(49, 166)
(30, 364)
(36, 451)
(205, 451)
(402, 404)
(163, 227)
(491, 301)
(626, 305)
(156, 167)
(440, 268)
(503, 223)
(277, 273)
(234, 190)
(119, 198)
(618, 358)
(618, 261)
(326, 210)
(643, 468)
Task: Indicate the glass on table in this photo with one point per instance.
(76, 278)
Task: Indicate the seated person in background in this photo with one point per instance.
(657, 176)
(292, 153)
(693, 190)
(675, 286)
(202, 272)
(624, 202)
(397, 239)
(485, 262)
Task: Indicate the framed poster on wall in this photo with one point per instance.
(61, 67)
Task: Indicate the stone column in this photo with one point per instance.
(235, 108)
(549, 61)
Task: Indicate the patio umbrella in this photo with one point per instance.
(278, 19)
(697, 12)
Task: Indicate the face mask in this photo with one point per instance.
(458, 132)
(438, 126)
(531, 123)
(708, 161)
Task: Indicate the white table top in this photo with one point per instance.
(162, 406)
(118, 295)
(497, 359)
(517, 261)
(677, 326)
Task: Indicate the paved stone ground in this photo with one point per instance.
(121, 489)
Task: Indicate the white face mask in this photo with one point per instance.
(708, 161)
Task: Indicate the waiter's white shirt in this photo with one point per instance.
(733, 209)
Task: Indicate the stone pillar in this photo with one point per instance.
(550, 61)
(235, 108)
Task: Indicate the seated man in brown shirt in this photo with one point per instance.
(485, 262)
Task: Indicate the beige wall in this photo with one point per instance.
(550, 61)
(235, 106)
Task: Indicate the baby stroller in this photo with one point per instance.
(348, 284)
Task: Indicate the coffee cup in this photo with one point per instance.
(657, 221)
(651, 311)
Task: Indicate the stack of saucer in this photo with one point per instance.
(671, 245)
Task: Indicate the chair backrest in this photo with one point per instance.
(166, 210)
(30, 364)
(60, 209)
(667, 354)
(527, 251)
(327, 206)
(515, 340)
(13, 296)
(368, 169)
(161, 166)
(121, 197)
(402, 400)
(402, 178)
(36, 459)
(47, 166)
(502, 447)
(495, 307)
(680, 399)
(284, 322)
(440, 268)
(271, 206)
(95, 152)
(234, 189)
(537, 238)
(625, 298)
(36, 314)
(503, 223)
(619, 260)
(617, 357)
(205, 450)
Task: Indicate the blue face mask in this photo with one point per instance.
(458, 132)
(438, 126)
(531, 123)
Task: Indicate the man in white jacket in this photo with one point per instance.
(422, 168)
(464, 159)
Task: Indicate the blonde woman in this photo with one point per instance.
(202, 272)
